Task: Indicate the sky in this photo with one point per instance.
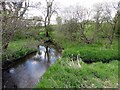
(66, 3)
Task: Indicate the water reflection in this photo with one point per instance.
(28, 73)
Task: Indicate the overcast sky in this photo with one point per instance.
(66, 3)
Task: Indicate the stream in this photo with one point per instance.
(27, 72)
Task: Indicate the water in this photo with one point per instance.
(27, 72)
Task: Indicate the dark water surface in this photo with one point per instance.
(27, 72)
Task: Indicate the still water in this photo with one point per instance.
(29, 70)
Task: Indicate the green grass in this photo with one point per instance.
(96, 75)
(19, 48)
(67, 74)
(89, 52)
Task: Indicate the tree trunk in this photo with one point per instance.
(4, 23)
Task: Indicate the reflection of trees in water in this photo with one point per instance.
(45, 50)
(47, 56)
(46, 53)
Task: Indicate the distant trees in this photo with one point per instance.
(89, 26)
(110, 21)
(77, 22)
(70, 29)
(82, 15)
(98, 21)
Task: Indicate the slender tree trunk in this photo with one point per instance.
(4, 25)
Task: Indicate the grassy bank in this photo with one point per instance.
(19, 48)
(88, 52)
(91, 53)
(64, 74)
(77, 74)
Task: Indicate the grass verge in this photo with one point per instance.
(65, 75)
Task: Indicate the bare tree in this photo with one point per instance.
(82, 15)
(110, 20)
(70, 23)
(12, 14)
(77, 18)
(50, 10)
(98, 19)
